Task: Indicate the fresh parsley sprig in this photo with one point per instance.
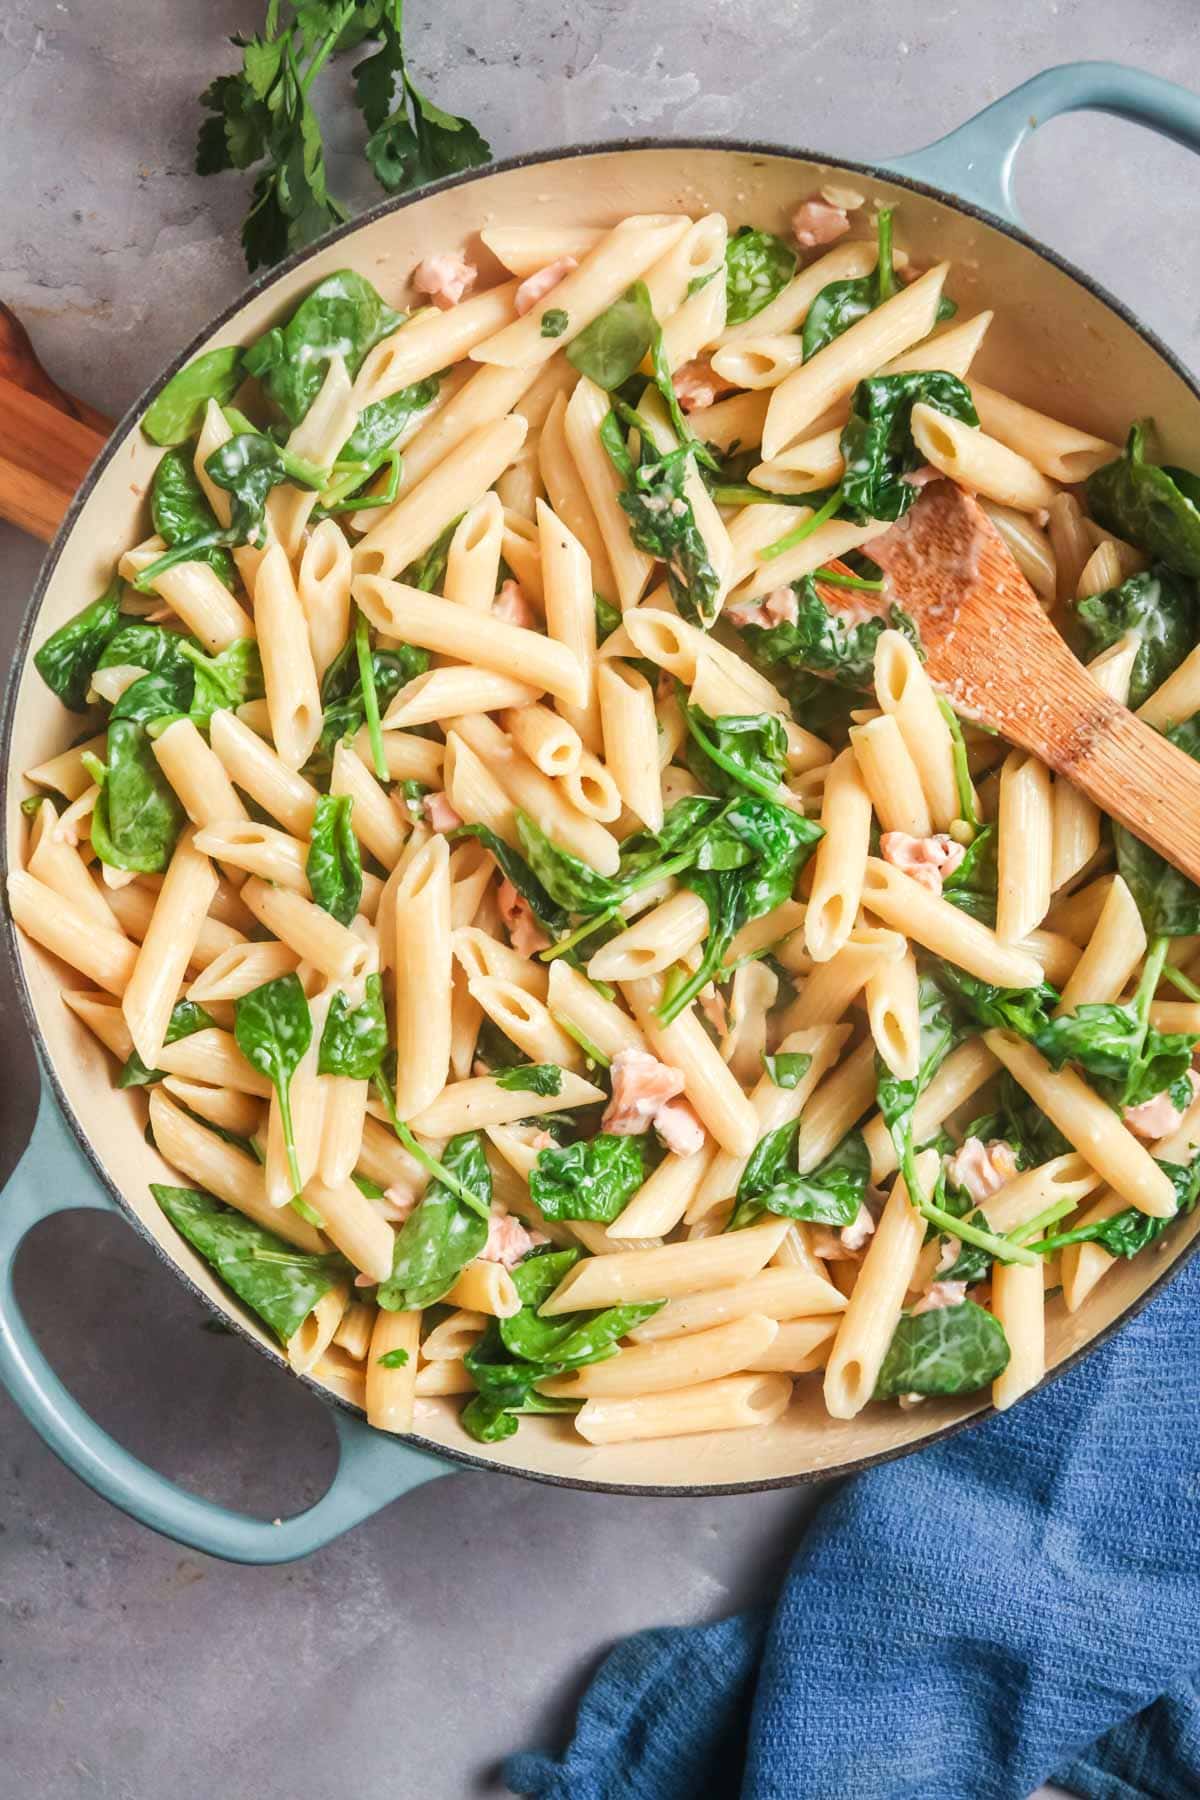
(262, 118)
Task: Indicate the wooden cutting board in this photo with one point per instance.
(48, 439)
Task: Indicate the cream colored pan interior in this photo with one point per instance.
(1054, 344)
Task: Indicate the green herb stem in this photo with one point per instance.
(430, 1163)
(366, 675)
(591, 1050)
(1004, 1249)
(834, 578)
(1178, 979)
(805, 530)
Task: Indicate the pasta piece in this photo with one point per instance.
(894, 1015)
(306, 1346)
(961, 1075)
(943, 929)
(422, 970)
(685, 1045)
(289, 674)
(434, 340)
(476, 1104)
(670, 1363)
(323, 586)
(473, 560)
(314, 935)
(1025, 846)
(103, 1019)
(841, 859)
(525, 1019)
(407, 529)
(1018, 1302)
(737, 1402)
(255, 768)
(873, 1310)
(105, 957)
(184, 899)
(219, 1169)
(906, 693)
(666, 1273)
(833, 985)
(585, 413)
(391, 1384)
(630, 730)
(1113, 952)
(979, 462)
(60, 866)
(1059, 451)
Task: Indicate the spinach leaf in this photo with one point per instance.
(380, 424)
(334, 864)
(68, 659)
(1033, 1136)
(554, 322)
(953, 1350)
(182, 515)
(738, 752)
(608, 616)
(225, 681)
(515, 1353)
(393, 1359)
(1161, 608)
(1023, 1010)
(442, 1235)
(1146, 505)
(146, 647)
(549, 913)
(544, 1079)
(611, 348)
(278, 1282)
(973, 885)
(592, 1180)
(344, 697)
(877, 441)
(758, 266)
(780, 843)
(821, 641)
(897, 1099)
(273, 1028)
(186, 1018)
(137, 817)
(342, 316)
(662, 523)
(355, 1039)
(570, 882)
(1129, 1231)
(841, 304)
(178, 412)
(1122, 1054)
(1168, 902)
(830, 1195)
(248, 465)
(429, 571)
(787, 1068)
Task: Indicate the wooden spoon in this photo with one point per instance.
(999, 661)
(48, 439)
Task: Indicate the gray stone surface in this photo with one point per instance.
(463, 1622)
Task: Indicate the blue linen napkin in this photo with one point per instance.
(999, 1611)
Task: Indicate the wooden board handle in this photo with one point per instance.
(1132, 772)
(48, 439)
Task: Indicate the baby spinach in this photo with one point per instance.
(544, 1079)
(1023, 1010)
(567, 880)
(897, 1098)
(145, 647)
(178, 412)
(248, 465)
(1129, 1231)
(442, 1235)
(821, 641)
(355, 1039)
(1021, 1120)
(1122, 1054)
(342, 316)
(589, 1180)
(273, 1028)
(1168, 902)
(612, 347)
(225, 681)
(344, 695)
(515, 1353)
(787, 1068)
(1146, 505)
(137, 817)
(952, 1350)
(737, 752)
(758, 265)
(973, 885)
(830, 1195)
(662, 523)
(334, 864)
(182, 515)
(278, 1282)
(877, 441)
(371, 445)
(841, 304)
(550, 914)
(68, 659)
(780, 843)
(186, 1018)
(1162, 608)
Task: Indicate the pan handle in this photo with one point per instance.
(372, 1470)
(976, 160)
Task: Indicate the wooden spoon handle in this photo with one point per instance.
(48, 439)
(1132, 773)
